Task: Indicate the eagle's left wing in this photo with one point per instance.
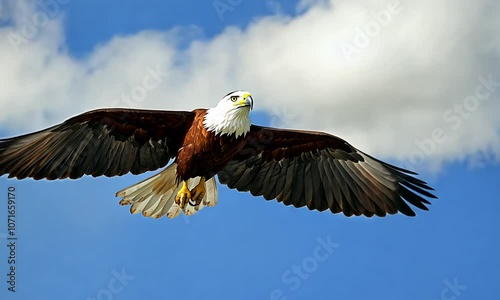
(106, 142)
(321, 171)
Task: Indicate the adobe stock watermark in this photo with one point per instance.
(222, 7)
(452, 290)
(31, 25)
(139, 93)
(284, 116)
(364, 35)
(118, 282)
(296, 274)
(454, 118)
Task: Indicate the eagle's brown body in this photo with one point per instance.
(203, 153)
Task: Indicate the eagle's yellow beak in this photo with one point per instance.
(246, 100)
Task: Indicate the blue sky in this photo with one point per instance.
(76, 242)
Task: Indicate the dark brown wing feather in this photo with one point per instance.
(322, 171)
(101, 142)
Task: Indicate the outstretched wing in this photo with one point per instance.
(321, 171)
(100, 142)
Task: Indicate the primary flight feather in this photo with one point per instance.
(299, 168)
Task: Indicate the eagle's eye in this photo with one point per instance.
(234, 98)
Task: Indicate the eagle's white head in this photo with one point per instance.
(231, 115)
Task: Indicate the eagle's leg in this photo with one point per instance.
(183, 195)
(199, 191)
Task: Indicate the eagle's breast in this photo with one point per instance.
(204, 152)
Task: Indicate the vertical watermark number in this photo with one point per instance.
(11, 239)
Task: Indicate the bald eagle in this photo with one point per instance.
(299, 168)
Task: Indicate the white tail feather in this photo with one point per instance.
(155, 196)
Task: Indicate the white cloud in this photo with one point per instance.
(417, 60)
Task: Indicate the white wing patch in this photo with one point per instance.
(155, 196)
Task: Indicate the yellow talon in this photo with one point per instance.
(199, 191)
(183, 195)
